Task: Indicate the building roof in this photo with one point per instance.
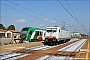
(15, 31)
(3, 30)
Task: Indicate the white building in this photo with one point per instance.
(75, 34)
(9, 33)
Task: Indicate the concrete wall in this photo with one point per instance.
(6, 41)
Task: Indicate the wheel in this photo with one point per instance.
(45, 43)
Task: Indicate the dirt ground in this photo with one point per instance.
(38, 54)
(11, 47)
(85, 51)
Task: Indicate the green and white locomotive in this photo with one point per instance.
(32, 34)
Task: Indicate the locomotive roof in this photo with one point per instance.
(57, 27)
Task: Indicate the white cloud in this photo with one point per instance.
(42, 25)
(53, 21)
(22, 20)
(45, 19)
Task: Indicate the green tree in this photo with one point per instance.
(83, 35)
(2, 27)
(11, 27)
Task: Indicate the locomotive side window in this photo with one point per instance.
(39, 33)
(59, 30)
(44, 34)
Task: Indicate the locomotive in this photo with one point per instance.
(56, 35)
(28, 34)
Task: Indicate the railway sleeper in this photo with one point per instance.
(23, 51)
(70, 54)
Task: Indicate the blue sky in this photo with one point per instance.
(45, 13)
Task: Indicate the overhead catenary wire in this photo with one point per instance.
(71, 9)
(48, 17)
(76, 16)
(72, 16)
(20, 11)
(42, 12)
(29, 9)
(38, 9)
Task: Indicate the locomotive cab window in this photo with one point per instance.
(24, 30)
(54, 30)
(51, 29)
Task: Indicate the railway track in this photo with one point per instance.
(12, 56)
(20, 54)
(75, 47)
(45, 47)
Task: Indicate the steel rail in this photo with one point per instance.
(10, 56)
(78, 44)
(45, 47)
(76, 49)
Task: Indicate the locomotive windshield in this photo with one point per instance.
(24, 30)
(51, 29)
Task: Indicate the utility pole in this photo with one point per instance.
(89, 27)
(75, 29)
(89, 23)
(63, 24)
(0, 11)
(0, 19)
(32, 24)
